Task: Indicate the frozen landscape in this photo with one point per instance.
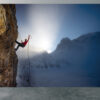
(73, 63)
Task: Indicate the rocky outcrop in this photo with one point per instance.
(8, 35)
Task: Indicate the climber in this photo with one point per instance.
(22, 44)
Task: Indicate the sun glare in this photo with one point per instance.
(43, 43)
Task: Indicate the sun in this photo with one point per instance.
(44, 45)
(41, 44)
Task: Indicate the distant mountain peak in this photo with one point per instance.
(66, 42)
(87, 36)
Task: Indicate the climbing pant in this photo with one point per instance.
(19, 45)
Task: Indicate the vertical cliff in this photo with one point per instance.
(8, 35)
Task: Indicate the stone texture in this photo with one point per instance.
(8, 35)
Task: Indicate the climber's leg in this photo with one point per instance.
(19, 45)
(16, 48)
(17, 42)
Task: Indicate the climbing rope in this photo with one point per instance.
(28, 54)
(29, 66)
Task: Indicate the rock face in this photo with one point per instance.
(8, 35)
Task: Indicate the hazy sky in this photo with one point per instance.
(48, 24)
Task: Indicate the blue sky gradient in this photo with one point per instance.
(74, 19)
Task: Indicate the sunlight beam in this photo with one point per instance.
(44, 26)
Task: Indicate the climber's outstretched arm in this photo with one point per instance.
(28, 37)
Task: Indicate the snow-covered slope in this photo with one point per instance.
(73, 63)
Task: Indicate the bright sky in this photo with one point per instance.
(48, 24)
